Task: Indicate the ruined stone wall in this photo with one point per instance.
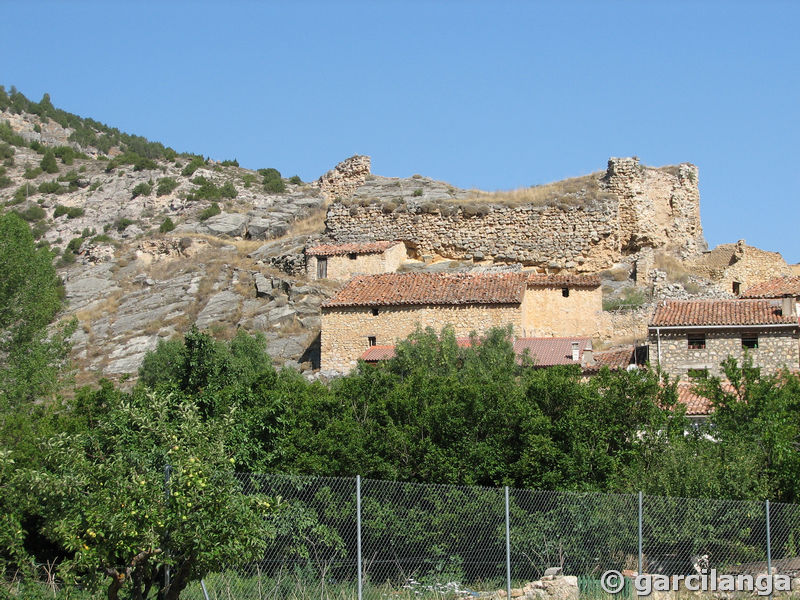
(646, 208)
(345, 178)
(345, 330)
(546, 312)
(776, 349)
(740, 263)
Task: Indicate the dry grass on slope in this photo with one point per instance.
(574, 191)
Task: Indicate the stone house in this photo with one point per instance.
(343, 261)
(379, 310)
(736, 267)
(690, 338)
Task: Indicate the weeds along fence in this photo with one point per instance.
(360, 538)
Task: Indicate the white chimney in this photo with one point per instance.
(576, 351)
(588, 356)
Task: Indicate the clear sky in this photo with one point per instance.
(492, 95)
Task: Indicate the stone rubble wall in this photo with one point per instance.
(342, 267)
(345, 178)
(647, 207)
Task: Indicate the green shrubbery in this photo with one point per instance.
(193, 165)
(166, 226)
(23, 192)
(6, 151)
(5, 181)
(271, 178)
(32, 213)
(52, 187)
(295, 179)
(166, 185)
(48, 163)
(122, 224)
(140, 163)
(211, 211)
(7, 135)
(142, 189)
(72, 212)
(207, 190)
(230, 163)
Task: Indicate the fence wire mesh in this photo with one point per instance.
(450, 541)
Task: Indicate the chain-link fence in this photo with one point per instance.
(354, 538)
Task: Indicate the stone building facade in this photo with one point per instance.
(343, 261)
(383, 309)
(549, 309)
(639, 207)
(691, 338)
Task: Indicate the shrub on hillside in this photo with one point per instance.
(6, 150)
(48, 163)
(32, 213)
(142, 189)
(209, 212)
(207, 190)
(23, 193)
(165, 186)
(7, 135)
(193, 165)
(32, 173)
(230, 163)
(275, 186)
(51, 187)
(122, 224)
(295, 179)
(72, 212)
(166, 226)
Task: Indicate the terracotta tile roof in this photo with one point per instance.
(341, 249)
(671, 313)
(566, 280)
(547, 352)
(415, 289)
(695, 404)
(618, 358)
(774, 288)
(376, 353)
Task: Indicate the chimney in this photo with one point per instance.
(588, 356)
(788, 306)
(576, 351)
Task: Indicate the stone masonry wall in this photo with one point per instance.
(546, 312)
(345, 178)
(345, 330)
(776, 349)
(647, 207)
(343, 267)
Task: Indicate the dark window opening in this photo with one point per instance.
(352, 256)
(697, 373)
(374, 312)
(737, 288)
(697, 341)
(749, 341)
(322, 267)
(565, 292)
(372, 340)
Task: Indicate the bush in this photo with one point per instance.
(209, 212)
(73, 212)
(75, 245)
(38, 147)
(51, 187)
(167, 226)
(67, 154)
(5, 181)
(140, 163)
(417, 193)
(101, 239)
(275, 186)
(32, 173)
(67, 258)
(48, 163)
(165, 186)
(248, 180)
(7, 135)
(60, 211)
(230, 163)
(193, 165)
(268, 174)
(121, 224)
(142, 189)
(295, 179)
(6, 151)
(206, 190)
(32, 213)
(23, 193)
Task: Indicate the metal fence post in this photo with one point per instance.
(358, 530)
(508, 550)
(769, 546)
(640, 531)
(167, 471)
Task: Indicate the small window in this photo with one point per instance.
(697, 341)
(749, 341)
(565, 292)
(372, 340)
(737, 288)
(322, 267)
(352, 256)
(374, 312)
(697, 373)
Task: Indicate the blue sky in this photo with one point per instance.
(493, 95)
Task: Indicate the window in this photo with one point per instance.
(737, 288)
(372, 340)
(697, 341)
(322, 267)
(374, 312)
(565, 292)
(749, 340)
(352, 256)
(697, 373)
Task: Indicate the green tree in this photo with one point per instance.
(48, 163)
(102, 498)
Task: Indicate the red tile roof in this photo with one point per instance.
(341, 249)
(618, 358)
(547, 352)
(671, 313)
(695, 404)
(415, 289)
(376, 353)
(774, 288)
(565, 280)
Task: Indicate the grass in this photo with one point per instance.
(675, 269)
(630, 298)
(576, 191)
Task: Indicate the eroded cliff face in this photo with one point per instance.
(628, 208)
